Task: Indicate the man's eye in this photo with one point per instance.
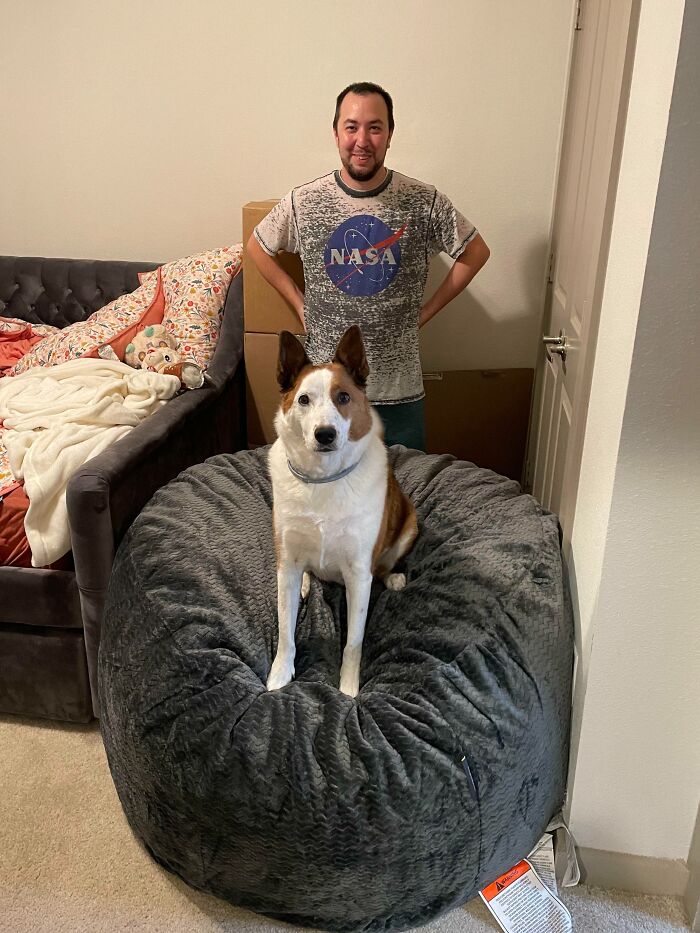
(303, 400)
(343, 398)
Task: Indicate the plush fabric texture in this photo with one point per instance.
(114, 325)
(195, 288)
(377, 813)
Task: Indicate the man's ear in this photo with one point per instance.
(291, 360)
(351, 354)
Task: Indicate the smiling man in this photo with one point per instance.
(366, 234)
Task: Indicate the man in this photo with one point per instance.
(365, 235)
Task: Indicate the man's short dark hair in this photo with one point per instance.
(363, 88)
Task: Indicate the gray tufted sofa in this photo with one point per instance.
(50, 619)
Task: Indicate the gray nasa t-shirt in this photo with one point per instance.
(365, 257)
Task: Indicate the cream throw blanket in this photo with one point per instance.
(57, 418)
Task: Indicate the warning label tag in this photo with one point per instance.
(500, 884)
(542, 860)
(521, 903)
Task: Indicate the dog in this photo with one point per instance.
(338, 510)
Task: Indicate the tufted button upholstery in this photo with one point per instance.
(62, 291)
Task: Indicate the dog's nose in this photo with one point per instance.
(325, 435)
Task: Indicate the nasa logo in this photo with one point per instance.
(363, 255)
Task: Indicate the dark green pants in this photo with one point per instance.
(404, 423)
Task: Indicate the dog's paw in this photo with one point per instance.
(395, 581)
(350, 675)
(305, 585)
(281, 673)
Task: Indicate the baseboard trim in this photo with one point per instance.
(633, 872)
(692, 901)
(692, 893)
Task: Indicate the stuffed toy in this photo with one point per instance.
(155, 349)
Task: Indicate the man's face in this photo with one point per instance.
(362, 135)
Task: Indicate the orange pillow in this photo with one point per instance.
(14, 547)
(152, 315)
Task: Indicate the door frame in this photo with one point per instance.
(584, 380)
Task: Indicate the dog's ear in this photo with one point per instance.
(291, 360)
(351, 354)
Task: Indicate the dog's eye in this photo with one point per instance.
(343, 398)
(303, 400)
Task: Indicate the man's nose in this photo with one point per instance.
(362, 139)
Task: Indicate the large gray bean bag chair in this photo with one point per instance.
(377, 813)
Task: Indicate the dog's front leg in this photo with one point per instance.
(288, 591)
(357, 588)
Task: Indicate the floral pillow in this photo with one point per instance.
(14, 323)
(152, 315)
(195, 290)
(115, 324)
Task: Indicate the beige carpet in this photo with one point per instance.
(69, 863)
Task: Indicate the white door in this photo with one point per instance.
(585, 191)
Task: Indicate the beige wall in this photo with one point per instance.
(138, 130)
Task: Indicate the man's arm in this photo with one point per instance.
(460, 275)
(277, 277)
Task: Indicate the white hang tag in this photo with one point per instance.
(522, 903)
(566, 863)
(542, 860)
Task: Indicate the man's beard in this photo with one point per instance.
(363, 174)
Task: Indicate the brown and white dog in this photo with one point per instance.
(338, 511)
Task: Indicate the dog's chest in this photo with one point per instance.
(329, 535)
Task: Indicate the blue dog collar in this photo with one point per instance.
(323, 479)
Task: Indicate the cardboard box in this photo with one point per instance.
(264, 309)
(262, 388)
(481, 416)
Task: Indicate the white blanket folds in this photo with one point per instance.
(57, 418)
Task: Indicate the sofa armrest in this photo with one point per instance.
(229, 349)
(106, 494)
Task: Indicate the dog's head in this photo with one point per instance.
(323, 407)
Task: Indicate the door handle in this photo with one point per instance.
(556, 345)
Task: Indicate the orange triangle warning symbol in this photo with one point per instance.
(499, 886)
